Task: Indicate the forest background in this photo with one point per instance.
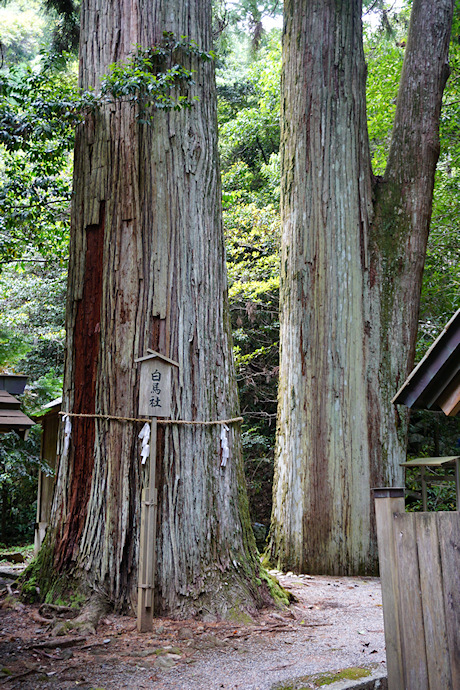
(39, 109)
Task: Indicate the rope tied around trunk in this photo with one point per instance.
(147, 420)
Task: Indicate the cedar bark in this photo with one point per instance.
(147, 271)
(352, 257)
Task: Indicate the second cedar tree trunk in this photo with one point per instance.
(352, 258)
(147, 271)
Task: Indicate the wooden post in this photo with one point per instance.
(147, 545)
(154, 400)
(457, 482)
(387, 503)
(424, 489)
(449, 542)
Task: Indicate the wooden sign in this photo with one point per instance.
(154, 401)
(155, 385)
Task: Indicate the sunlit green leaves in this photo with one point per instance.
(22, 31)
(32, 314)
(252, 134)
(384, 60)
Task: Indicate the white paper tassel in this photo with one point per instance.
(67, 433)
(224, 444)
(145, 436)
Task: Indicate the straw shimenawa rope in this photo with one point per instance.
(148, 419)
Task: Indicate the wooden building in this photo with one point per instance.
(434, 384)
(11, 416)
(419, 553)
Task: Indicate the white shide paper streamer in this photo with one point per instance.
(145, 436)
(67, 433)
(224, 444)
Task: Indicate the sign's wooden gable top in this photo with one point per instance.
(155, 384)
(434, 384)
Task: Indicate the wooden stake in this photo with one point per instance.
(387, 503)
(147, 546)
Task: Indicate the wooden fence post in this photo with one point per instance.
(449, 542)
(387, 503)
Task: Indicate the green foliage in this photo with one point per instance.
(32, 313)
(252, 133)
(37, 121)
(384, 59)
(30, 592)
(432, 434)
(244, 20)
(65, 18)
(39, 110)
(19, 465)
(152, 76)
(42, 391)
(252, 237)
(22, 31)
(12, 347)
(440, 496)
(248, 113)
(32, 316)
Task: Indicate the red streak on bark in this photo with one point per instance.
(86, 351)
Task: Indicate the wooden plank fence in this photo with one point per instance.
(419, 556)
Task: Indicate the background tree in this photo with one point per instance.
(147, 270)
(353, 249)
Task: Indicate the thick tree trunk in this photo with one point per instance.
(349, 291)
(147, 271)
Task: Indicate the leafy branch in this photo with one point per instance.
(39, 112)
(151, 76)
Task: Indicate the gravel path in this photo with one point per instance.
(336, 623)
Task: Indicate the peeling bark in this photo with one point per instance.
(352, 259)
(147, 271)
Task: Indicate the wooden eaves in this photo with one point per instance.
(11, 417)
(434, 384)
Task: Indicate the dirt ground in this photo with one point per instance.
(335, 624)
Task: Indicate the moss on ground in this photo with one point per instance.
(321, 680)
(354, 673)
